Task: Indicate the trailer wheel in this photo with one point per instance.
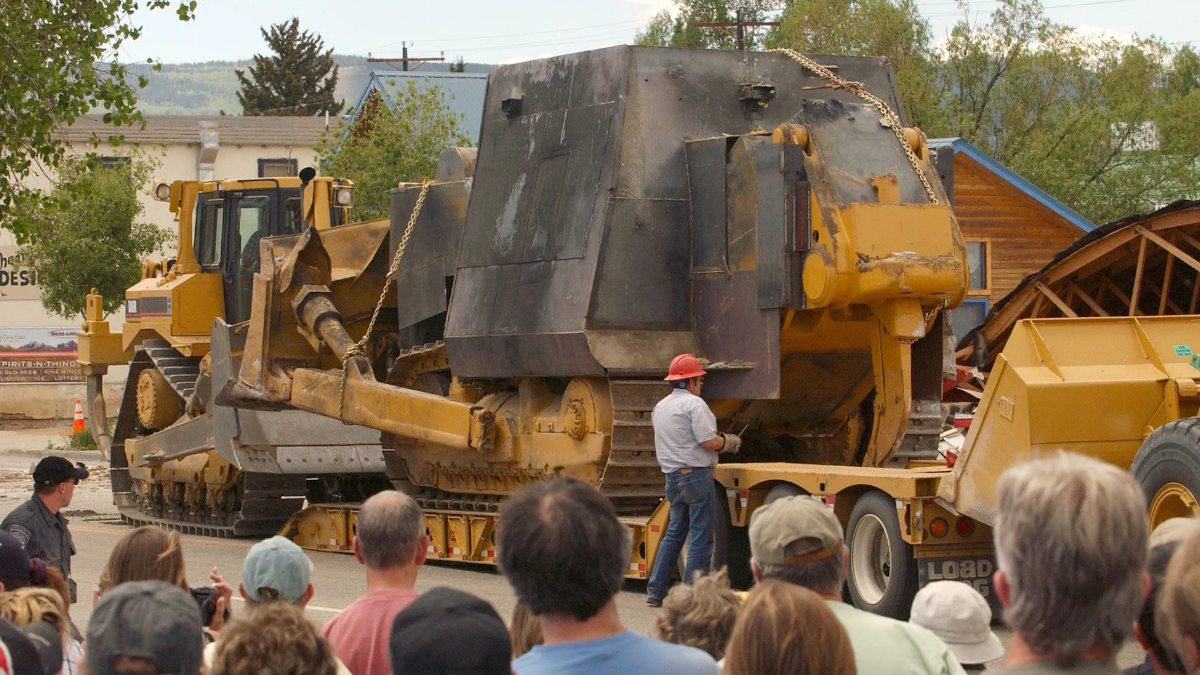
(731, 545)
(1167, 466)
(881, 574)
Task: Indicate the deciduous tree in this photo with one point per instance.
(85, 234)
(298, 80)
(680, 29)
(60, 62)
(389, 144)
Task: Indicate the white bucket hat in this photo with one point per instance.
(960, 616)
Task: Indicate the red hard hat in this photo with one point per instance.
(684, 367)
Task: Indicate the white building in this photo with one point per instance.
(36, 350)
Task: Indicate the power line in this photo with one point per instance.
(540, 32)
(1068, 5)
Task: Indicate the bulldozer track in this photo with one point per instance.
(632, 478)
(264, 506)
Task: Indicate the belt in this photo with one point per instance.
(688, 469)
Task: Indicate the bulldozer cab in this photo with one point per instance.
(229, 225)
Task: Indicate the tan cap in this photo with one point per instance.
(783, 521)
(1173, 530)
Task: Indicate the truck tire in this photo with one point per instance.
(1167, 466)
(731, 546)
(881, 573)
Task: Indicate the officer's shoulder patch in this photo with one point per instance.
(20, 534)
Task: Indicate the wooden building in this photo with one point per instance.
(1012, 227)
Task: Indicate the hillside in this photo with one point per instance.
(211, 87)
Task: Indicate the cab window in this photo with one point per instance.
(210, 231)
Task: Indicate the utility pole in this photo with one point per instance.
(740, 24)
(405, 59)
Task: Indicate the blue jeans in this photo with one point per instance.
(692, 500)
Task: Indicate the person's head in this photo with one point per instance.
(48, 642)
(146, 554)
(685, 372)
(18, 570)
(23, 655)
(448, 631)
(274, 637)
(700, 614)
(1070, 538)
(1146, 629)
(960, 616)
(31, 605)
(148, 627)
(562, 548)
(798, 540)
(785, 629)
(1178, 611)
(54, 480)
(276, 569)
(525, 629)
(390, 532)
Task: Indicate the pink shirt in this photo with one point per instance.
(359, 634)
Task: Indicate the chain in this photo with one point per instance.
(360, 348)
(879, 104)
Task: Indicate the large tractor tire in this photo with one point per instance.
(882, 573)
(1167, 466)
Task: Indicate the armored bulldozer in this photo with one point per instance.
(177, 457)
(768, 212)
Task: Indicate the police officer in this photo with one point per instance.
(39, 523)
(686, 443)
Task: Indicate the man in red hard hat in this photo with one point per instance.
(686, 443)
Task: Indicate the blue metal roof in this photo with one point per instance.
(464, 93)
(1034, 192)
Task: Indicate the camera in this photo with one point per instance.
(206, 597)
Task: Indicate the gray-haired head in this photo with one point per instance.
(824, 576)
(390, 525)
(1070, 539)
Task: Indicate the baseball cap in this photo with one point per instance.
(53, 470)
(48, 643)
(145, 619)
(960, 616)
(1174, 530)
(18, 656)
(278, 564)
(14, 561)
(783, 521)
(448, 632)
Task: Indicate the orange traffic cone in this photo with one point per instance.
(77, 425)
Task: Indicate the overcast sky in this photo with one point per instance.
(490, 31)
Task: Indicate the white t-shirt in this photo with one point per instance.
(682, 421)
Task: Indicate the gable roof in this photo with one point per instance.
(464, 93)
(961, 146)
(185, 129)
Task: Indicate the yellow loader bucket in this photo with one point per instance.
(1097, 386)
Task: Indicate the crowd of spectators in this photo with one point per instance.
(1078, 573)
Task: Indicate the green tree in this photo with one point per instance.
(297, 81)
(386, 145)
(59, 63)
(1109, 127)
(680, 29)
(84, 234)
(891, 28)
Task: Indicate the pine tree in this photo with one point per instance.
(298, 80)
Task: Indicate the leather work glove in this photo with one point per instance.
(732, 444)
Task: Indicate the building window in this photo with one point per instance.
(113, 162)
(277, 168)
(968, 315)
(979, 261)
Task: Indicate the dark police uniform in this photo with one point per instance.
(43, 534)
